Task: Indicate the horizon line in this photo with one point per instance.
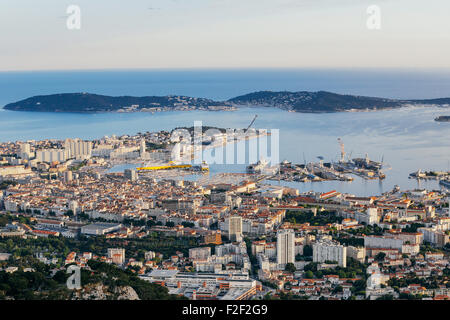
(169, 69)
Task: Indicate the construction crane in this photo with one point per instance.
(341, 144)
(251, 123)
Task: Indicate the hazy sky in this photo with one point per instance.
(223, 34)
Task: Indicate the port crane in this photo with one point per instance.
(341, 144)
(251, 123)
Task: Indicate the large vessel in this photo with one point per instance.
(203, 167)
(171, 165)
(166, 166)
(366, 163)
(445, 183)
(257, 167)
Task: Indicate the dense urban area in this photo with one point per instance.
(148, 233)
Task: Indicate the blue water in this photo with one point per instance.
(408, 138)
(225, 84)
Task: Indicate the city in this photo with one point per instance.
(226, 236)
(209, 159)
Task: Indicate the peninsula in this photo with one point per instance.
(302, 101)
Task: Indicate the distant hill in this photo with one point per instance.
(302, 101)
(87, 102)
(323, 101)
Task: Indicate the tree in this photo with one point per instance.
(307, 250)
(170, 224)
(298, 257)
(380, 256)
(338, 289)
(188, 224)
(290, 267)
(309, 275)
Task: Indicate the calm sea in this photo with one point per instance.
(408, 138)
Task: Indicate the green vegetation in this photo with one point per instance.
(150, 146)
(34, 284)
(380, 256)
(5, 184)
(60, 247)
(87, 102)
(413, 227)
(368, 230)
(430, 282)
(113, 277)
(38, 283)
(8, 218)
(353, 270)
(424, 248)
(78, 166)
(320, 219)
(290, 267)
(351, 241)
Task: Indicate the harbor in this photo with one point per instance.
(341, 170)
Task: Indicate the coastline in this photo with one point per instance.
(233, 108)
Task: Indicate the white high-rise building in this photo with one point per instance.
(372, 215)
(330, 251)
(285, 246)
(25, 151)
(78, 148)
(234, 224)
(143, 149)
(369, 217)
(68, 176)
(51, 155)
(73, 205)
(131, 174)
(448, 201)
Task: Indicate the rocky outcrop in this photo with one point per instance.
(101, 292)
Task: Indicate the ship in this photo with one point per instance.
(368, 164)
(257, 167)
(445, 183)
(204, 167)
(163, 166)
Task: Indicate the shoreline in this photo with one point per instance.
(238, 107)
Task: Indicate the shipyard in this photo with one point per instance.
(322, 171)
